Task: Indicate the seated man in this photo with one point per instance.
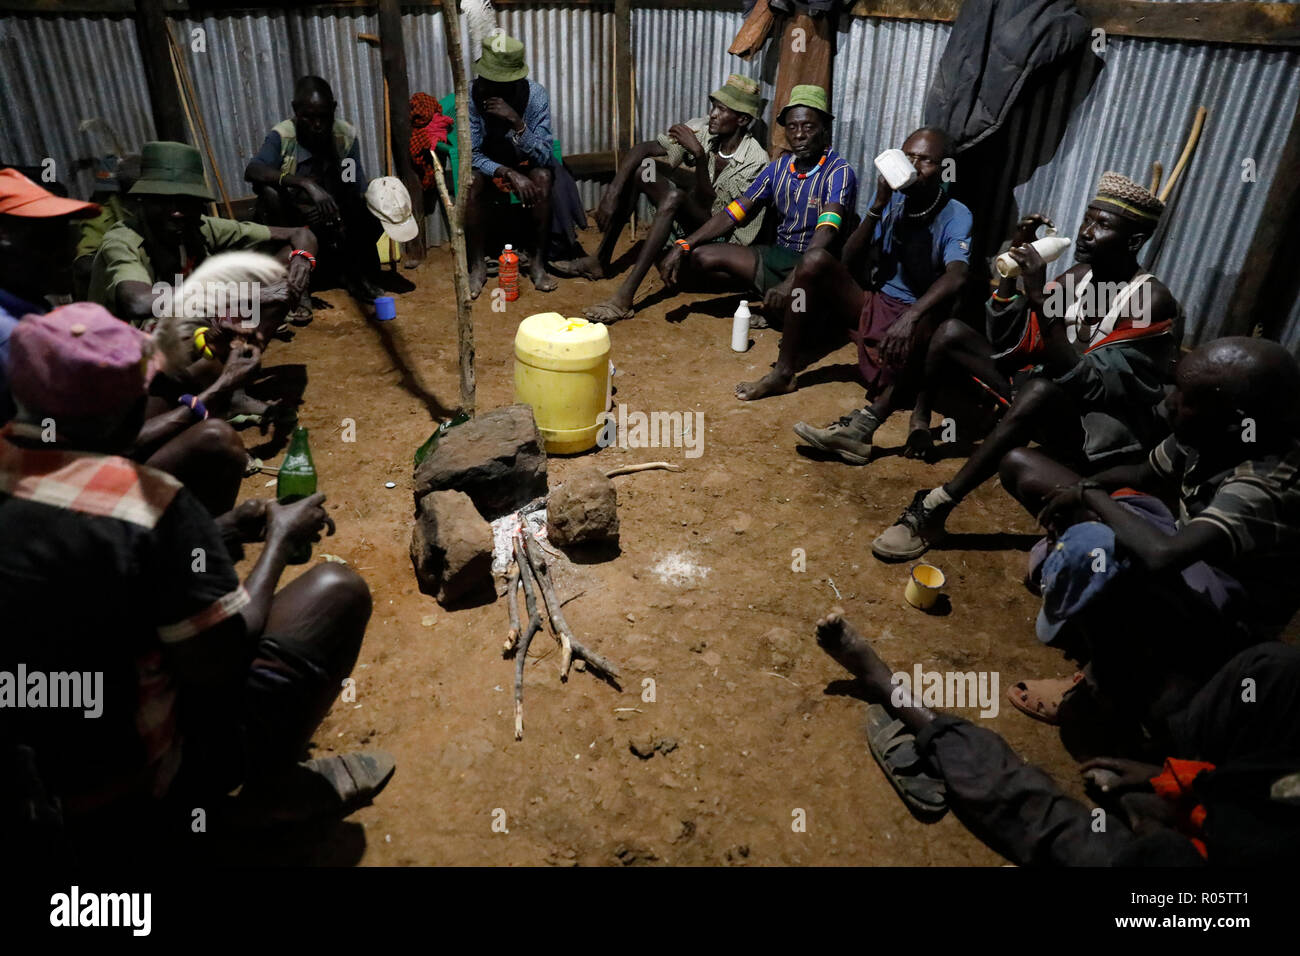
(207, 456)
(308, 173)
(510, 135)
(110, 190)
(1222, 749)
(812, 187)
(916, 247)
(1101, 343)
(1220, 574)
(35, 241)
(112, 568)
(723, 159)
(167, 235)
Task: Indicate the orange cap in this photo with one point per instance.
(19, 196)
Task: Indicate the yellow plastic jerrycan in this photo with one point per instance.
(562, 370)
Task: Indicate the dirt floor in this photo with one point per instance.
(765, 725)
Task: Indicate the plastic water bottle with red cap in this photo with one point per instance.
(508, 273)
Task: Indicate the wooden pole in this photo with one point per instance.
(392, 53)
(1261, 297)
(155, 52)
(456, 215)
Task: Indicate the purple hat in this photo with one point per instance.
(78, 360)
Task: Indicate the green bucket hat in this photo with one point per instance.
(171, 169)
(740, 93)
(805, 94)
(502, 60)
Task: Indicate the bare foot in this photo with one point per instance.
(838, 638)
(773, 383)
(608, 312)
(543, 281)
(588, 267)
(241, 403)
(477, 279)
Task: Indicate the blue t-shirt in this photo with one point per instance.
(12, 309)
(949, 242)
(800, 201)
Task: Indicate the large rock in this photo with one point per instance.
(583, 510)
(451, 548)
(497, 459)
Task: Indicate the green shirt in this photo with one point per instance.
(123, 255)
(91, 232)
(731, 181)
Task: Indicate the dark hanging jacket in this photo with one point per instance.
(995, 45)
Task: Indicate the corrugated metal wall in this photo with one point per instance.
(679, 57)
(55, 73)
(246, 67)
(1130, 108)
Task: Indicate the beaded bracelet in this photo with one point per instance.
(196, 407)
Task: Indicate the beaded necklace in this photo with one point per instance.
(821, 162)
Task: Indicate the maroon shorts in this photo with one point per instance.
(879, 312)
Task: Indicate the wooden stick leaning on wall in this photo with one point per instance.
(189, 120)
(187, 91)
(1197, 124)
(456, 213)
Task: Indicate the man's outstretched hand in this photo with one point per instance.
(299, 522)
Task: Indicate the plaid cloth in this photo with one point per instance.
(85, 482)
(148, 553)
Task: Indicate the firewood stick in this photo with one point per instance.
(647, 466)
(512, 605)
(559, 627)
(534, 625)
(1157, 174)
(537, 560)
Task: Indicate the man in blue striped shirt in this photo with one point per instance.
(811, 187)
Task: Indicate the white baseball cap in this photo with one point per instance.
(388, 199)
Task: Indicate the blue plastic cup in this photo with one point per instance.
(385, 308)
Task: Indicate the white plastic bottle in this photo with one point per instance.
(740, 328)
(1049, 247)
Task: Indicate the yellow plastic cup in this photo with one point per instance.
(923, 586)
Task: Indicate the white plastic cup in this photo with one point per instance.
(1049, 247)
(897, 169)
(740, 328)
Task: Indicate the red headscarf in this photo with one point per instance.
(428, 128)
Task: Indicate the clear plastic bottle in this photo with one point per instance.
(1049, 247)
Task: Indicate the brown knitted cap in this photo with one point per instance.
(1126, 198)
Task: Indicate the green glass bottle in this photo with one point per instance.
(297, 480)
